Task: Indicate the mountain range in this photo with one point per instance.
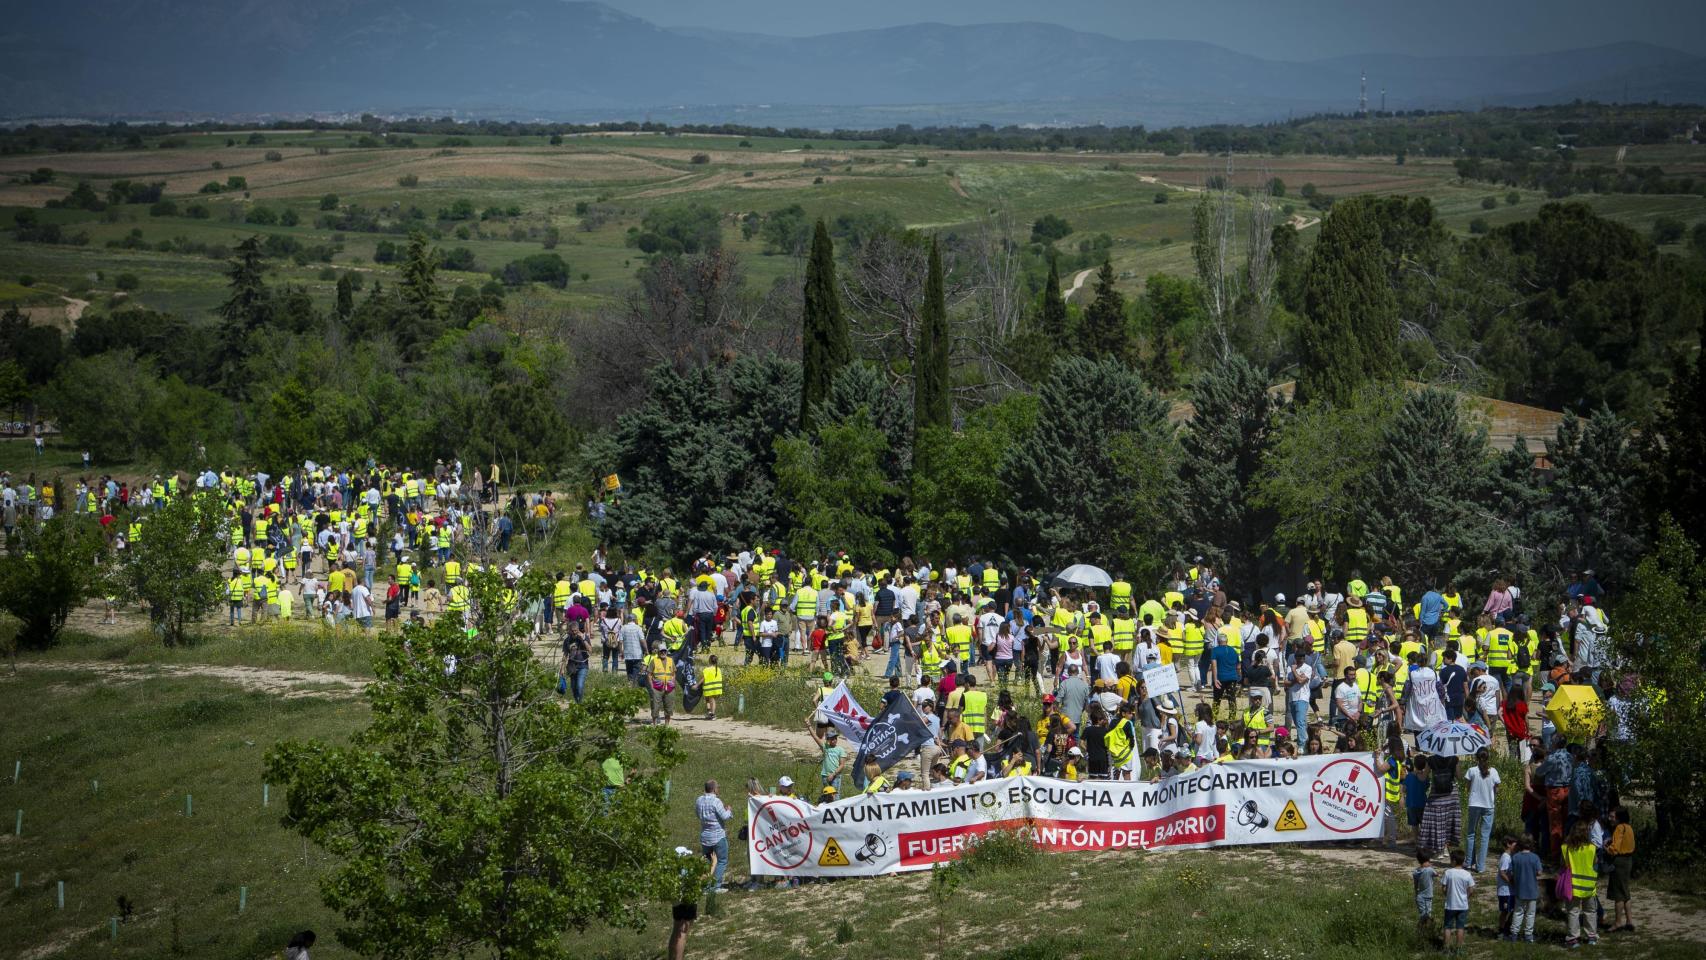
(562, 59)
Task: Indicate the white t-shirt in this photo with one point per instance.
(1303, 672)
(1482, 789)
(1349, 698)
(358, 602)
(1205, 740)
(767, 630)
(1504, 889)
(906, 601)
(1457, 882)
(1486, 692)
(1107, 667)
(978, 770)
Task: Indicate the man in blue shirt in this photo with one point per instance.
(1456, 680)
(1433, 609)
(1227, 673)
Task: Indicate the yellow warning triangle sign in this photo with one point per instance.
(1290, 818)
(832, 855)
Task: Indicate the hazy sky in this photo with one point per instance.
(1277, 29)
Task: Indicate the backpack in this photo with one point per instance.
(1523, 660)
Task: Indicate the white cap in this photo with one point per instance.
(1279, 598)
(785, 782)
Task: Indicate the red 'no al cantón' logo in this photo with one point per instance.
(783, 837)
(1345, 796)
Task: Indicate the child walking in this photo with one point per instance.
(1457, 883)
(1507, 904)
(1422, 879)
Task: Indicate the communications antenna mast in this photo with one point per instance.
(1362, 101)
(1383, 100)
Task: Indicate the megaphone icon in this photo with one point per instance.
(875, 848)
(1250, 816)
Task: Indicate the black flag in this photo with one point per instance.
(895, 733)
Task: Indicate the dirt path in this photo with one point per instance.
(954, 182)
(286, 683)
(74, 308)
(310, 683)
(1077, 282)
(1301, 222)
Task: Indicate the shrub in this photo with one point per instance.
(126, 281)
(1513, 198)
(329, 202)
(1668, 230)
(236, 183)
(1478, 225)
(1160, 196)
(408, 180)
(921, 162)
(1489, 203)
(701, 158)
(163, 208)
(273, 156)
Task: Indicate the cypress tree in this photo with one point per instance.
(1349, 331)
(346, 297)
(1053, 318)
(826, 343)
(932, 406)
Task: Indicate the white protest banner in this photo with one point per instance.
(1452, 740)
(1161, 679)
(1336, 797)
(844, 712)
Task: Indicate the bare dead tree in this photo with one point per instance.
(1214, 243)
(995, 268)
(883, 285)
(1260, 268)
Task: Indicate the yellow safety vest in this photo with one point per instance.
(974, 709)
(1193, 640)
(959, 640)
(1584, 878)
(452, 572)
(1369, 684)
(1119, 595)
(991, 579)
(1501, 649)
(1356, 624)
(458, 598)
(1124, 634)
(1257, 720)
(1393, 777)
(713, 686)
(805, 603)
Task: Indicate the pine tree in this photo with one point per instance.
(1042, 333)
(1348, 334)
(246, 309)
(1104, 333)
(1591, 515)
(825, 340)
(932, 404)
(1676, 455)
(1230, 430)
(1095, 481)
(419, 286)
(1427, 519)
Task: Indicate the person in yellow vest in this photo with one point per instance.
(711, 686)
(458, 601)
(562, 592)
(1100, 632)
(1393, 592)
(1354, 618)
(805, 606)
(1500, 652)
(1119, 596)
(452, 572)
(405, 576)
(236, 590)
(1123, 634)
(1580, 854)
(1256, 718)
(974, 708)
(1192, 649)
(674, 632)
(286, 604)
(660, 677)
(1357, 587)
(959, 640)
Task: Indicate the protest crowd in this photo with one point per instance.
(1001, 671)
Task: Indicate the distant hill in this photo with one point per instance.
(583, 61)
